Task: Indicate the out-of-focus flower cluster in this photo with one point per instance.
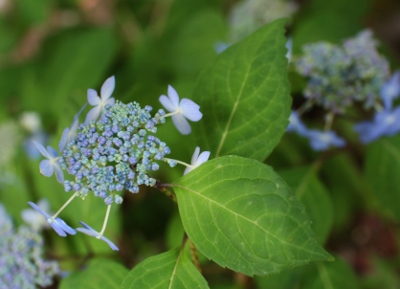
(21, 257)
(249, 15)
(339, 75)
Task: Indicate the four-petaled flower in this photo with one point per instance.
(34, 218)
(322, 140)
(197, 159)
(91, 232)
(57, 224)
(47, 167)
(100, 102)
(180, 110)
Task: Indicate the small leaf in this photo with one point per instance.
(241, 214)
(244, 96)
(170, 270)
(100, 273)
(382, 173)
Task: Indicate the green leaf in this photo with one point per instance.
(312, 193)
(170, 270)
(382, 174)
(100, 273)
(241, 214)
(332, 275)
(244, 96)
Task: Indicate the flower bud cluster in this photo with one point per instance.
(339, 75)
(115, 153)
(21, 262)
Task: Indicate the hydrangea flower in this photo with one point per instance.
(57, 224)
(296, 125)
(180, 110)
(91, 232)
(47, 167)
(100, 103)
(322, 140)
(34, 218)
(197, 160)
(391, 90)
(339, 75)
(386, 122)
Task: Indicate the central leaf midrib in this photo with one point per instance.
(243, 217)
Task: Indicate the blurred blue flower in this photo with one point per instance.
(91, 232)
(180, 110)
(386, 122)
(391, 90)
(322, 140)
(197, 160)
(30, 149)
(34, 218)
(296, 125)
(47, 167)
(221, 46)
(99, 103)
(56, 223)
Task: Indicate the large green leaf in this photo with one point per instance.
(244, 96)
(312, 193)
(170, 270)
(382, 173)
(100, 273)
(241, 214)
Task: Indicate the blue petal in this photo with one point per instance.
(64, 226)
(42, 150)
(181, 124)
(107, 88)
(59, 173)
(57, 227)
(46, 168)
(38, 209)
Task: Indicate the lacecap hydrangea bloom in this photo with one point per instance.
(115, 150)
(339, 75)
(21, 257)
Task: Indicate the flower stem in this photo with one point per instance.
(66, 204)
(105, 221)
(167, 192)
(178, 162)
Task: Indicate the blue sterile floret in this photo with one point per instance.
(116, 152)
(339, 75)
(386, 121)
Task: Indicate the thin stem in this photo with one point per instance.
(167, 192)
(194, 255)
(171, 113)
(66, 204)
(304, 107)
(329, 121)
(178, 162)
(105, 221)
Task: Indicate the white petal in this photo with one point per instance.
(195, 156)
(203, 157)
(188, 169)
(46, 168)
(107, 88)
(59, 173)
(190, 109)
(173, 96)
(44, 204)
(92, 97)
(93, 114)
(167, 103)
(181, 124)
(42, 150)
